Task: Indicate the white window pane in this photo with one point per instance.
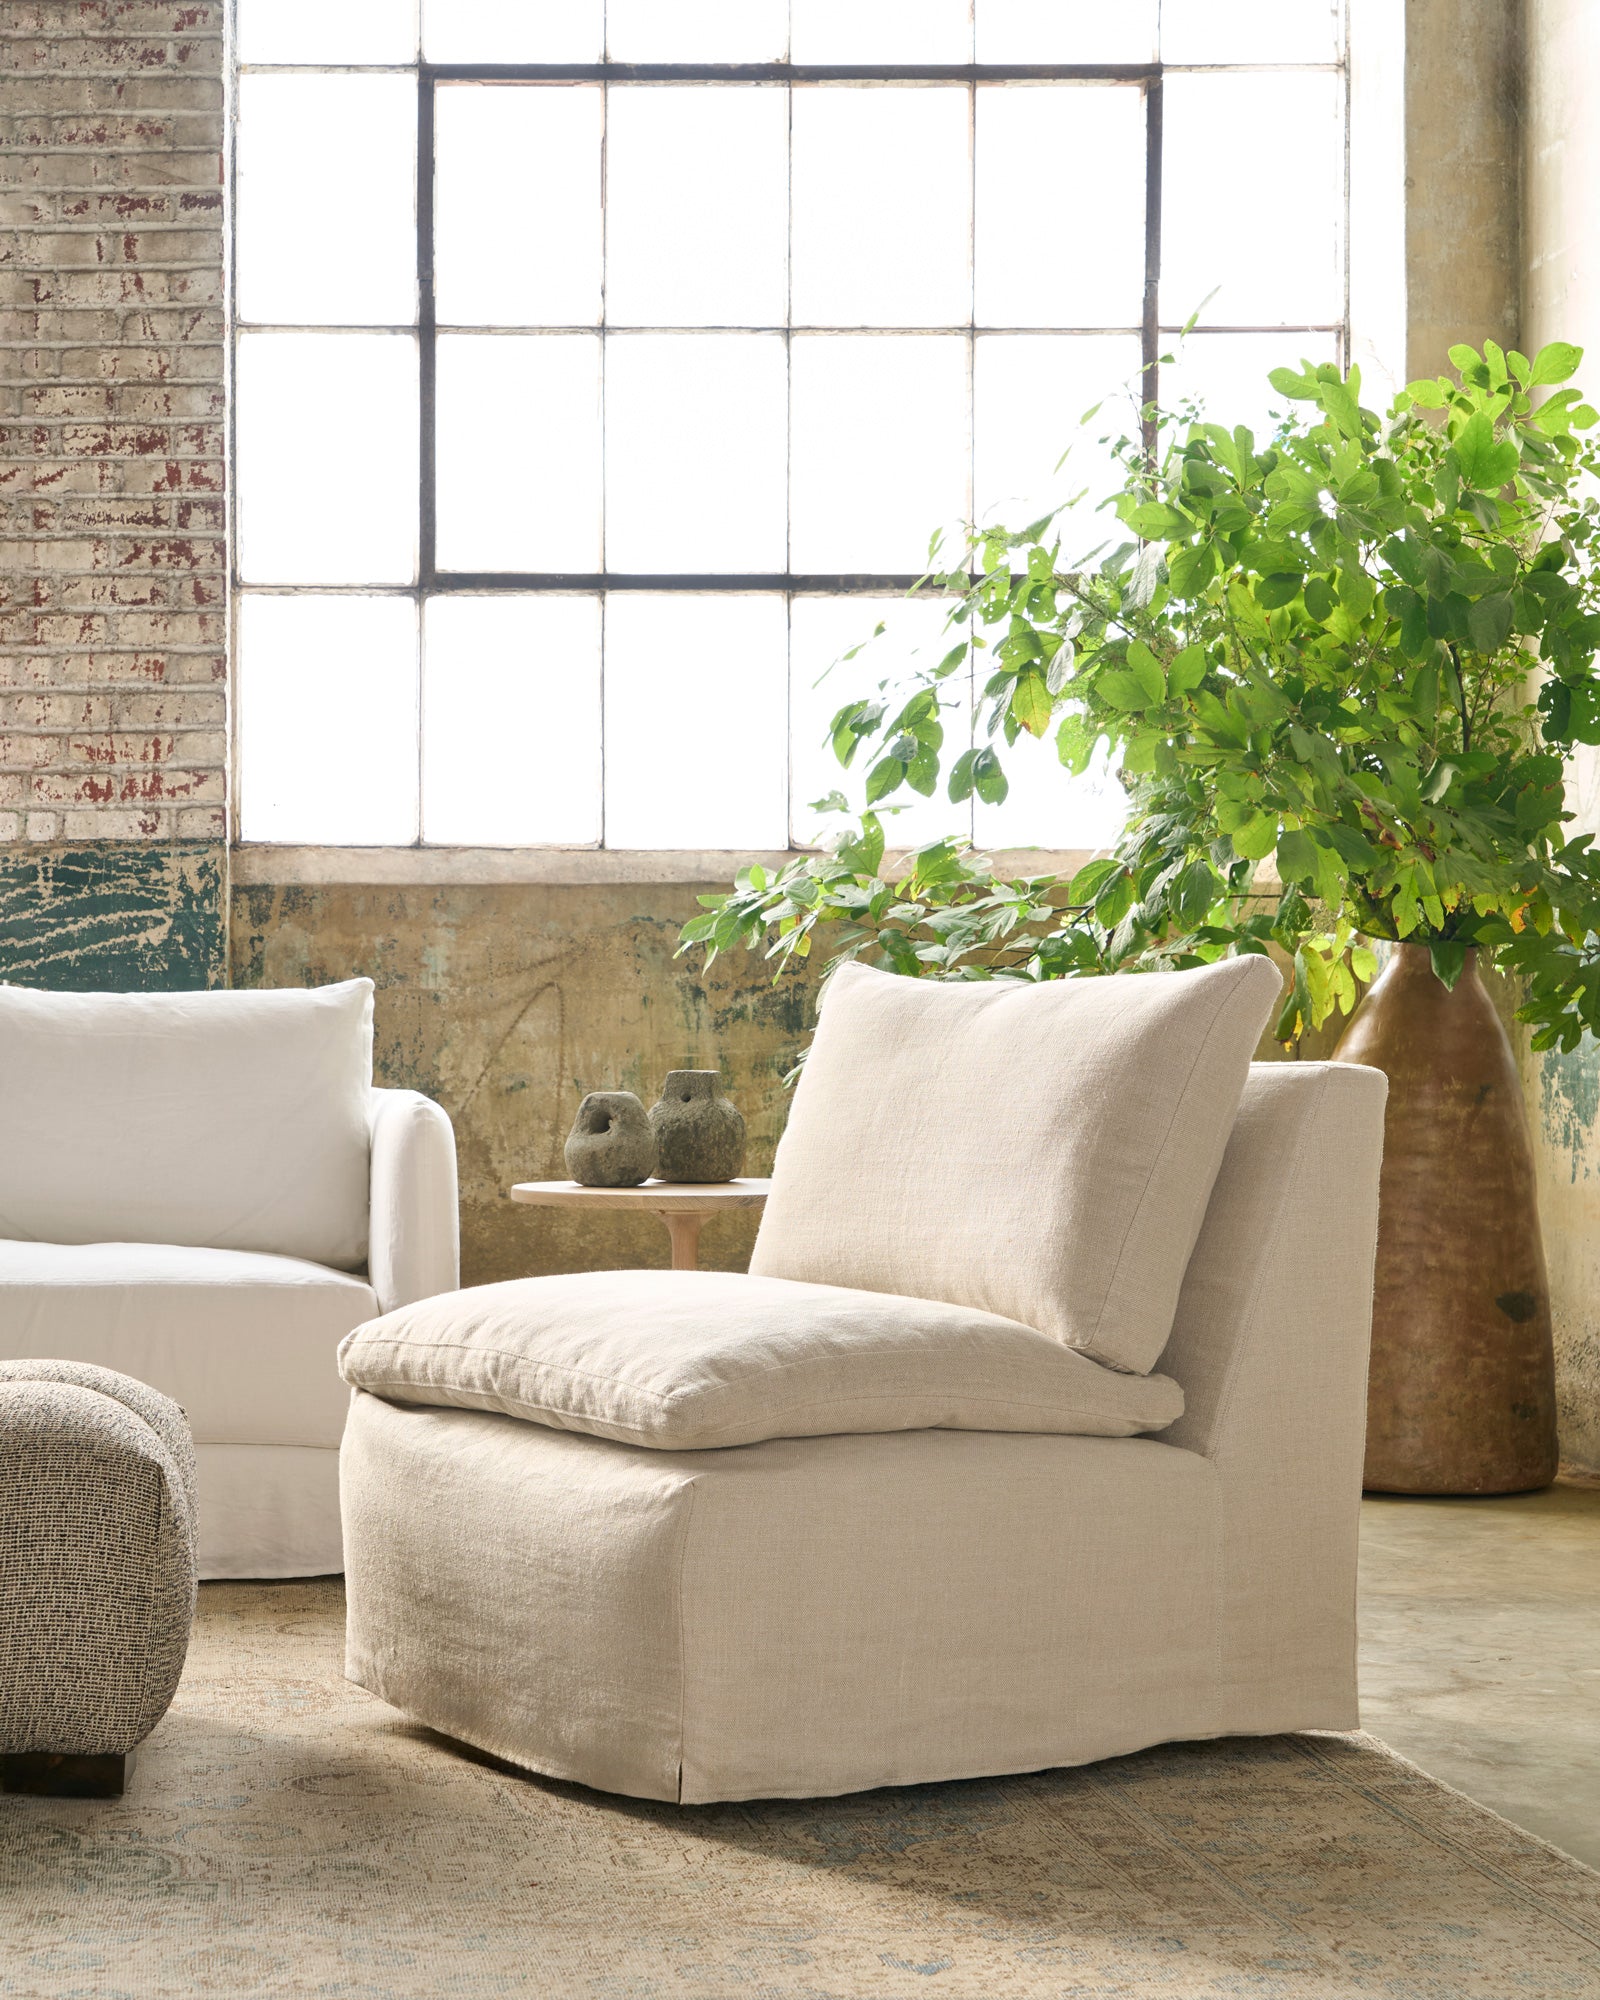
(1029, 392)
(517, 204)
(881, 31)
(882, 206)
(312, 31)
(697, 30)
(313, 152)
(328, 720)
(879, 451)
(1250, 31)
(694, 452)
(513, 31)
(1227, 373)
(1062, 31)
(1286, 268)
(1035, 144)
(326, 457)
(518, 451)
(1046, 806)
(689, 242)
(694, 701)
(511, 721)
(821, 681)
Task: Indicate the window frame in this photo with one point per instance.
(524, 862)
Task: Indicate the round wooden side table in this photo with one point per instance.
(682, 1205)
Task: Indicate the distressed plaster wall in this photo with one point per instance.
(1561, 300)
(1463, 88)
(507, 1003)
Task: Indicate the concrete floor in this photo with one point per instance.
(1480, 1651)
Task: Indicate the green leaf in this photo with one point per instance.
(1319, 599)
(1486, 463)
(1091, 878)
(1031, 703)
(884, 777)
(864, 854)
(1256, 839)
(1146, 670)
(1449, 958)
(1297, 857)
(961, 779)
(1489, 622)
(1157, 523)
(1187, 670)
(1555, 363)
(988, 780)
(1120, 689)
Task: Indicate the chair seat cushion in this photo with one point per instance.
(246, 1343)
(683, 1360)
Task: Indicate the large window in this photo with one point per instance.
(603, 367)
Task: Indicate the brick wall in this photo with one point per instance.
(112, 551)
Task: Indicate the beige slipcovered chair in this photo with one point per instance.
(97, 1572)
(914, 1500)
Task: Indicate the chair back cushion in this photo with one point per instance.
(691, 1360)
(1043, 1151)
(226, 1120)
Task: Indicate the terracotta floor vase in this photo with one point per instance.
(1461, 1397)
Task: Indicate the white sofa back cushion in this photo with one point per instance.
(226, 1120)
(1040, 1151)
(691, 1360)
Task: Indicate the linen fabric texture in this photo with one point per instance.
(685, 1360)
(805, 1616)
(222, 1120)
(1043, 1152)
(97, 1558)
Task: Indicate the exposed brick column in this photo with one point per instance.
(113, 571)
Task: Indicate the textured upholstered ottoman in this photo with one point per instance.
(97, 1572)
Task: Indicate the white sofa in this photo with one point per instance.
(205, 1192)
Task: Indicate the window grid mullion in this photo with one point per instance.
(1151, 330)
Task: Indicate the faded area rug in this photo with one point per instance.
(287, 1834)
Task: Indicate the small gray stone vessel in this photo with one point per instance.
(611, 1143)
(699, 1134)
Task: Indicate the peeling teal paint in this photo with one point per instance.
(1569, 1103)
(121, 915)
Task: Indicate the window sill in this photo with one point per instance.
(263, 864)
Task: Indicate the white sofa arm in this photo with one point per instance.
(414, 1243)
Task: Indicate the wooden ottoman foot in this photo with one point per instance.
(53, 1775)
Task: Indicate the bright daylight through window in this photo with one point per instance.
(604, 366)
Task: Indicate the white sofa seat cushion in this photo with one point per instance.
(246, 1343)
(234, 1120)
(684, 1360)
(1041, 1151)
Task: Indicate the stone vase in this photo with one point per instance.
(699, 1134)
(610, 1144)
(1461, 1393)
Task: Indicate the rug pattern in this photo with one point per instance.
(286, 1834)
